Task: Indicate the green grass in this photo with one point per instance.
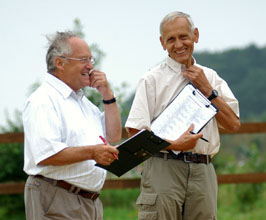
(120, 204)
(242, 202)
(111, 213)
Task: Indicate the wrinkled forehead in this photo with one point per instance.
(177, 25)
(172, 18)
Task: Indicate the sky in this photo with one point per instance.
(126, 31)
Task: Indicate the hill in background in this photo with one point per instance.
(245, 72)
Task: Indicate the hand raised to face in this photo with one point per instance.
(99, 81)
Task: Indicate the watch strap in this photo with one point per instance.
(110, 101)
(213, 95)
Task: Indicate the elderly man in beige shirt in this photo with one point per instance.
(184, 185)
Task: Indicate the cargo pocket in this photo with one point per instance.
(147, 203)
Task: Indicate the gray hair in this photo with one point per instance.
(58, 46)
(173, 15)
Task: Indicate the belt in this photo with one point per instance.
(70, 188)
(187, 157)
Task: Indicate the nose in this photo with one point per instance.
(89, 65)
(178, 44)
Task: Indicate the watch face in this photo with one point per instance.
(215, 92)
(213, 95)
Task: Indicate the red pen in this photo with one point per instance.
(105, 142)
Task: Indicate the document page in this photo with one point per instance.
(190, 106)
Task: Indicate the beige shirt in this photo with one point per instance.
(157, 88)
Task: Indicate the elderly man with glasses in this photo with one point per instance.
(64, 135)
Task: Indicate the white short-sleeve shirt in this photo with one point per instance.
(56, 117)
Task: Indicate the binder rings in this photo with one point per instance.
(134, 151)
(190, 106)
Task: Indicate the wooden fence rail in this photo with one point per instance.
(246, 128)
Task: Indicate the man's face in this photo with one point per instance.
(178, 39)
(76, 73)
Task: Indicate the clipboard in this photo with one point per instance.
(190, 106)
(134, 151)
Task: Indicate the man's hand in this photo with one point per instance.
(104, 154)
(196, 75)
(186, 141)
(99, 81)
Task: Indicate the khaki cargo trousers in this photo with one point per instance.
(175, 190)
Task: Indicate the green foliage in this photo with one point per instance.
(248, 159)
(120, 198)
(78, 28)
(11, 155)
(118, 213)
(224, 163)
(12, 207)
(11, 162)
(11, 165)
(248, 194)
(230, 207)
(244, 70)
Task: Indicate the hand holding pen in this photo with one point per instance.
(105, 142)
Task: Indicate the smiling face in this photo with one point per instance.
(178, 39)
(73, 72)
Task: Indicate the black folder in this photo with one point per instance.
(134, 151)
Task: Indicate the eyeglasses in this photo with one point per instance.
(84, 60)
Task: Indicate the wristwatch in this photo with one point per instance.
(213, 95)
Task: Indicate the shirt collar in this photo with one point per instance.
(62, 88)
(174, 65)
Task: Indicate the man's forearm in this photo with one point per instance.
(226, 117)
(113, 123)
(69, 155)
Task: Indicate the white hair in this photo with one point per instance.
(173, 15)
(58, 46)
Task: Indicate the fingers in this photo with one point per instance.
(199, 135)
(110, 158)
(98, 79)
(105, 154)
(195, 135)
(196, 75)
(190, 129)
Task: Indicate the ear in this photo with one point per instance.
(196, 34)
(59, 63)
(162, 42)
